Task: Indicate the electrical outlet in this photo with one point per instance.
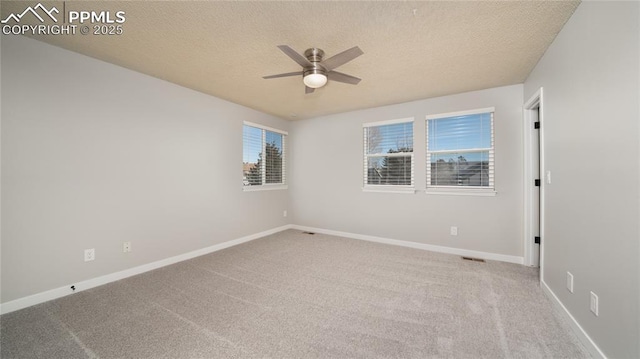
(454, 231)
(593, 305)
(284, 213)
(570, 282)
(89, 254)
(548, 177)
(126, 247)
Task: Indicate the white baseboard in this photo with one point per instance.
(94, 282)
(428, 247)
(42, 297)
(586, 340)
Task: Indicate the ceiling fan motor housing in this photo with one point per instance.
(314, 56)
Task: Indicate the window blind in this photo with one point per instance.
(388, 153)
(460, 150)
(263, 156)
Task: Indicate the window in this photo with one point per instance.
(388, 155)
(460, 151)
(263, 157)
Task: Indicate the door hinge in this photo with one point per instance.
(536, 125)
(536, 240)
(537, 182)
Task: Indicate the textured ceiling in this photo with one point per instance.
(412, 50)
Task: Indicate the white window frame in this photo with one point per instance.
(461, 190)
(269, 186)
(387, 188)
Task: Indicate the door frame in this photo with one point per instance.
(534, 102)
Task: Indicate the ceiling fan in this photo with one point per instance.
(316, 71)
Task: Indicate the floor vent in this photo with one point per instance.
(309, 233)
(473, 259)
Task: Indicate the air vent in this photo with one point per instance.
(309, 233)
(473, 259)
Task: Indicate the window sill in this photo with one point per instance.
(267, 187)
(461, 192)
(389, 189)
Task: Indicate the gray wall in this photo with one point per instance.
(328, 173)
(94, 155)
(590, 77)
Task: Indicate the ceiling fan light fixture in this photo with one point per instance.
(316, 70)
(315, 80)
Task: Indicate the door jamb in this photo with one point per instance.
(535, 101)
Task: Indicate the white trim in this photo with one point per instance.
(263, 154)
(388, 189)
(488, 149)
(263, 127)
(52, 294)
(460, 113)
(42, 297)
(388, 122)
(461, 192)
(423, 246)
(265, 187)
(582, 335)
(394, 154)
(535, 101)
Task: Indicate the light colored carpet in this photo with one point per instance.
(293, 295)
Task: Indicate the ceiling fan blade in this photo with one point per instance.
(308, 90)
(298, 73)
(301, 60)
(340, 77)
(341, 58)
